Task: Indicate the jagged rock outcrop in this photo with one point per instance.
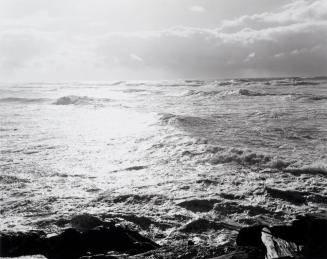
(305, 238)
(75, 243)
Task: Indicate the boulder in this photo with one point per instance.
(250, 236)
(85, 222)
(17, 244)
(306, 237)
(73, 243)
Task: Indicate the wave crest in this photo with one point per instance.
(79, 100)
(318, 167)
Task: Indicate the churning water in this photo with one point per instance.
(176, 159)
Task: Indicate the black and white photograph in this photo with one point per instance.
(163, 129)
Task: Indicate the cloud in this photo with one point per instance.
(192, 52)
(20, 47)
(197, 9)
(292, 41)
(294, 13)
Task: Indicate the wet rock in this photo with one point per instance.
(306, 237)
(226, 208)
(86, 221)
(136, 168)
(17, 244)
(73, 243)
(190, 243)
(312, 231)
(295, 197)
(144, 222)
(277, 247)
(198, 205)
(250, 236)
(201, 225)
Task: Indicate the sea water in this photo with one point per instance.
(175, 159)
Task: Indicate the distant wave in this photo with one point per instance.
(131, 198)
(225, 155)
(224, 83)
(298, 81)
(79, 100)
(251, 93)
(318, 167)
(242, 157)
(247, 92)
(201, 93)
(23, 100)
(183, 121)
(222, 93)
(312, 97)
(233, 92)
(10, 179)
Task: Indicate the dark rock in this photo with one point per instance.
(65, 245)
(16, 244)
(190, 243)
(74, 244)
(201, 225)
(277, 247)
(312, 230)
(250, 236)
(135, 168)
(86, 221)
(308, 232)
(288, 233)
(198, 205)
(295, 197)
(226, 208)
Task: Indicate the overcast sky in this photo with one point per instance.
(59, 40)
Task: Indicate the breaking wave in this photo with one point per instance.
(225, 155)
(234, 92)
(242, 157)
(79, 100)
(299, 81)
(251, 93)
(132, 198)
(182, 121)
(318, 167)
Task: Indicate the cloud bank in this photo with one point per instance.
(292, 41)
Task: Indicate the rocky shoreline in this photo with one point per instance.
(92, 238)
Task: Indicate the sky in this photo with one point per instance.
(62, 40)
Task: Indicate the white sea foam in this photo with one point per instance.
(175, 158)
(79, 100)
(317, 167)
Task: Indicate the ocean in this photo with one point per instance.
(178, 160)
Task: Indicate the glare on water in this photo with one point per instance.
(168, 151)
